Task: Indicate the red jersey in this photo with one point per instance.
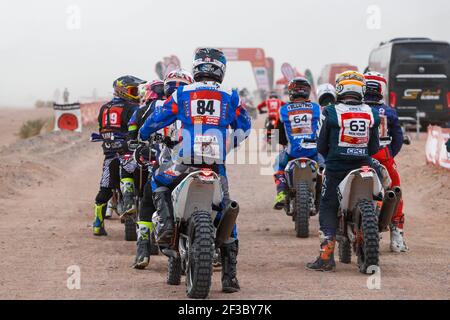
(273, 107)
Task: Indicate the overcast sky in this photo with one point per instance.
(40, 53)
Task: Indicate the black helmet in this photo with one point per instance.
(209, 63)
(127, 88)
(299, 88)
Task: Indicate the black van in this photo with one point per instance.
(418, 74)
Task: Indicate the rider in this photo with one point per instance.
(391, 141)
(326, 95)
(348, 138)
(298, 120)
(113, 119)
(160, 89)
(206, 111)
(273, 105)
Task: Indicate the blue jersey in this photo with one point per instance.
(301, 121)
(206, 111)
(391, 133)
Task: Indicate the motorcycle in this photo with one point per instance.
(196, 203)
(302, 176)
(361, 219)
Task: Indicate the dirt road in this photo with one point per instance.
(47, 187)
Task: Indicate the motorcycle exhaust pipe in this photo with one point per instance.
(399, 195)
(387, 210)
(226, 224)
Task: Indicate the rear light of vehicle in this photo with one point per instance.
(393, 99)
(448, 100)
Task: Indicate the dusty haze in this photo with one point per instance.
(42, 48)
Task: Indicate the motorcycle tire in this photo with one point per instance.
(174, 271)
(345, 252)
(130, 230)
(302, 210)
(199, 267)
(369, 253)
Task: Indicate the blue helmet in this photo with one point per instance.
(209, 63)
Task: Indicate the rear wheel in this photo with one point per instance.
(369, 252)
(200, 255)
(302, 208)
(130, 230)
(345, 251)
(174, 271)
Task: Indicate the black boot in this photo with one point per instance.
(229, 252)
(163, 206)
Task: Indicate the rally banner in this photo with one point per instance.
(168, 64)
(436, 149)
(257, 58)
(67, 117)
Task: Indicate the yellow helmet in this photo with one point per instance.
(351, 84)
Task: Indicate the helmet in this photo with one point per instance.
(350, 85)
(209, 63)
(326, 94)
(244, 92)
(127, 88)
(299, 88)
(154, 91)
(175, 79)
(273, 95)
(376, 86)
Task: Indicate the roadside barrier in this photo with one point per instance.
(436, 149)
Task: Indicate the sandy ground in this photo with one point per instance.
(47, 187)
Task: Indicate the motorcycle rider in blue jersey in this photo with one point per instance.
(348, 138)
(206, 111)
(391, 142)
(159, 90)
(298, 120)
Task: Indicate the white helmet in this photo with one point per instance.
(326, 94)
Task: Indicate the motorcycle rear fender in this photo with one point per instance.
(359, 184)
(196, 193)
(302, 169)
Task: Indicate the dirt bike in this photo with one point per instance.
(196, 202)
(360, 219)
(116, 142)
(302, 176)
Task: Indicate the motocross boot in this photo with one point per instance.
(99, 220)
(163, 204)
(229, 252)
(110, 208)
(398, 243)
(127, 189)
(143, 245)
(280, 200)
(325, 262)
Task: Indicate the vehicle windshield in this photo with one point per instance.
(421, 52)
